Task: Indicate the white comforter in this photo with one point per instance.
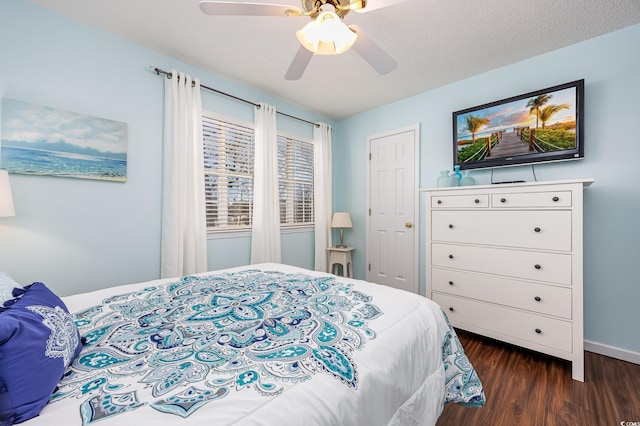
(399, 372)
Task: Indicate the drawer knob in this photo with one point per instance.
(439, 201)
(536, 229)
(538, 298)
(451, 309)
(450, 226)
(450, 282)
(538, 267)
(477, 201)
(503, 200)
(450, 256)
(556, 199)
(538, 331)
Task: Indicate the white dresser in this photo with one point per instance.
(505, 261)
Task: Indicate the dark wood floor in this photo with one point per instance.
(527, 388)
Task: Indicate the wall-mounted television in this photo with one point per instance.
(541, 126)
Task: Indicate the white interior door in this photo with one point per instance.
(392, 234)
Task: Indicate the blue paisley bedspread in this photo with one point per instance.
(174, 347)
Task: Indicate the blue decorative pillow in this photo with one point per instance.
(38, 340)
(7, 284)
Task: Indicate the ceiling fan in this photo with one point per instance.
(326, 34)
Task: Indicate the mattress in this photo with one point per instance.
(264, 344)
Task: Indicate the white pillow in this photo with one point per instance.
(7, 284)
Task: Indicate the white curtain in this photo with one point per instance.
(184, 233)
(322, 193)
(265, 230)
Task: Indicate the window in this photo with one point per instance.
(228, 174)
(295, 181)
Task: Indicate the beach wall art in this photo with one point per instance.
(40, 140)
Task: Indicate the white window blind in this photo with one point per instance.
(228, 174)
(295, 181)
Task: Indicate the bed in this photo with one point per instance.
(264, 344)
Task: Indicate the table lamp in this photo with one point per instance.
(6, 200)
(341, 220)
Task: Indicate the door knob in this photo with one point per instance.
(408, 225)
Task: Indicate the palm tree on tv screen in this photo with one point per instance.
(475, 123)
(536, 103)
(549, 111)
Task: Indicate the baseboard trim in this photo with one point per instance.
(612, 351)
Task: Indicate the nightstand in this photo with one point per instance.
(340, 256)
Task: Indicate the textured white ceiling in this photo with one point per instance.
(435, 42)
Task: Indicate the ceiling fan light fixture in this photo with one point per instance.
(327, 35)
(357, 4)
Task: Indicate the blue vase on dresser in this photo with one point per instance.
(456, 172)
(467, 179)
(443, 179)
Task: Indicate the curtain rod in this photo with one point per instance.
(159, 71)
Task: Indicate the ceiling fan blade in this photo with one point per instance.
(230, 8)
(372, 53)
(299, 64)
(378, 4)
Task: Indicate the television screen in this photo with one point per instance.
(545, 125)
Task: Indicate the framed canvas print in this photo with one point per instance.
(40, 140)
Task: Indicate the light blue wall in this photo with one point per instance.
(229, 251)
(79, 235)
(610, 66)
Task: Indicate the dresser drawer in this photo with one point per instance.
(459, 201)
(528, 265)
(538, 298)
(532, 199)
(538, 229)
(539, 330)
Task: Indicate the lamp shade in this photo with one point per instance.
(6, 199)
(341, 220)
(327, 35)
